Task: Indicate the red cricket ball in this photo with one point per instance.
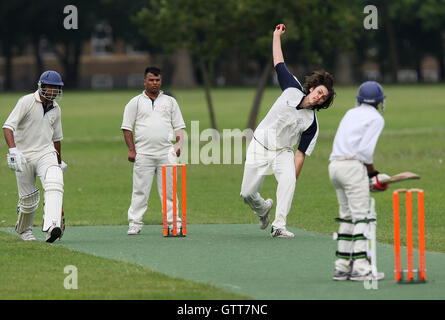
(281, 26)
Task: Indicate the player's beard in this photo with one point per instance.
(153, 91)
(51, 94)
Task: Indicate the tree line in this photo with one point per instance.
(217, 31)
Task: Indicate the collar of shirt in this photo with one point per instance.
(146, 96)
(298, 107)
(37, 97)
(366, 105)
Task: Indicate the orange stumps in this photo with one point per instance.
(164, 201)
(175, 208)
(422, 269)
(409, 237)
(174, 200)
(409, 234)
(397, 257)
(184, 203)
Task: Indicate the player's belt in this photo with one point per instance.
(343, 159)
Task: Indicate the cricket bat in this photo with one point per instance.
(400, 177)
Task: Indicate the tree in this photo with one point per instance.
(200, 26)
(255, 21)
(432, 17)
(47, 20)
(316, 29)
(403, 30)
(12, 34)
(68, 43)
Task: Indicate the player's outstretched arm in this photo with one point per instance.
(276, 44)
(285, 78)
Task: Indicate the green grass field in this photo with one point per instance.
(99, 178)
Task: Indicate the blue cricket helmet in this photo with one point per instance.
(51, 77)
(370, 92)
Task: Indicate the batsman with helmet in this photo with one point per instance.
(353, 176)
(33, 133)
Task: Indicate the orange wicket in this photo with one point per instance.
(409, 236)
(398, 263)
(422, 268)
(183, 231)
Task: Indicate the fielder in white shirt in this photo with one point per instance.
(289, 122)
(352, 173)
(152, 117)
(33, 133)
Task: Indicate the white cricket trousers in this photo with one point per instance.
(351, 183)
(261, 162)
(144, 169)
(26, 180)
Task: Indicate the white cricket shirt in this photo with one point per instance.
(35, 130)
(357, 134)
(153, 122)
(285, 125)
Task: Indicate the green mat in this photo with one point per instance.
(245, 260)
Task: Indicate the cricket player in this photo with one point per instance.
(353, 176)
(33, 133)
(152, 117)
(291, 120)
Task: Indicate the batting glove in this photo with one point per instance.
(15, 160)
(375, 185)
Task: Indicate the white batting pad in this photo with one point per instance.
(27, 207)
(53, 185)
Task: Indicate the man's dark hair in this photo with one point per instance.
(153, 70)
(318, 78)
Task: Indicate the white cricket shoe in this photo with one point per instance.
(281, 233)
(53, 233)
(133, 230)
(341, 275)
(355, 276)
(27, 235)
(263, 221)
